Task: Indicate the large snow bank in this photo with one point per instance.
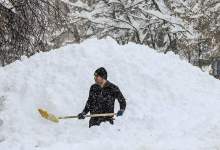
(171, 104)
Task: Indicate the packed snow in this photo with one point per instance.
(171, 105)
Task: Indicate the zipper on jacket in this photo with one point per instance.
(101, 92)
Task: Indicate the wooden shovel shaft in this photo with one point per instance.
(92, 115)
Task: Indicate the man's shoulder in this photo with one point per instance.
(112, 85)
(109, 84)
(93, 86)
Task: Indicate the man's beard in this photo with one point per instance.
(99, 83)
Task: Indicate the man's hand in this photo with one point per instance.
(81, 115)
(120, 113)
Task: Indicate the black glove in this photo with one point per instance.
(81, 115)
(120, 113)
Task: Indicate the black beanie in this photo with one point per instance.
(101, 72)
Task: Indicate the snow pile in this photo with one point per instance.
(171, 104)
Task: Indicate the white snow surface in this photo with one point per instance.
(171, 105)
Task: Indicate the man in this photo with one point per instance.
(101, 99)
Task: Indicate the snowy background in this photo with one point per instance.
(171, 104)
(189, 28)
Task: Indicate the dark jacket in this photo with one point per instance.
(102, 100)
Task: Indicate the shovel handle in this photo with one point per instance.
(91, 115)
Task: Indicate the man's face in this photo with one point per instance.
(98, 80)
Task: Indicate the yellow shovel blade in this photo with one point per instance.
(48, 116)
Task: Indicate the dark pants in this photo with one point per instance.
(96, 121)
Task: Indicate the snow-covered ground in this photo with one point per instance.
(171, 104)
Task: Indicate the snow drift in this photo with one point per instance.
(170, 104)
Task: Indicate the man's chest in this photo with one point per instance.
(104, 94)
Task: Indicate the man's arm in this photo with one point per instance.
(88, 103)
(121, 99)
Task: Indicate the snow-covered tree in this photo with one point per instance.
(25, 27)
(189, 28)
(141, 21)
(203, 16)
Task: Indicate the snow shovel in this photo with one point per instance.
(56, 119)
